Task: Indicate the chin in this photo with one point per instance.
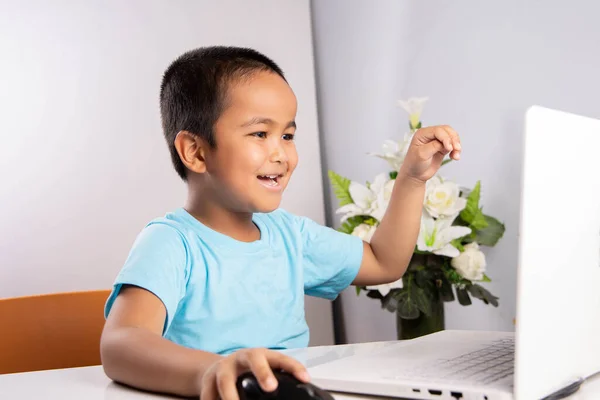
(266, 206)
(265, 209)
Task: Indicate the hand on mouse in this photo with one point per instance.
(218, 382)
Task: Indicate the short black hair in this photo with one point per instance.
(193, 92)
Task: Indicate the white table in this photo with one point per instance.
(90, 383)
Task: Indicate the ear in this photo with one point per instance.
(192, 150)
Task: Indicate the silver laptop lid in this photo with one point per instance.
(558, 282)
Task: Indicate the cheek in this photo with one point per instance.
(255, 156)
(247, 157)
(292, 158)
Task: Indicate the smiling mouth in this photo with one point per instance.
(270, 180)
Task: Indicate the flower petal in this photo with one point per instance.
(413, 105)
(360, 194)
(459, 205)
(379, 182)
(390, 147)
(448, 251)
(427, 227)
(384, 289)
(378, 213)
(350, 210)
(449, 234)
(397, 284)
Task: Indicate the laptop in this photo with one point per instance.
(556, 343)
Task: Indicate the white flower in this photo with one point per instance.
(470, 263)
(370, 201)
(414, 108)
(435, 236)
(364, 231)
(385, 288)
(384, 194)
(442, 198)
(394, 152)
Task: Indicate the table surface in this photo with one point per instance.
(91, 383)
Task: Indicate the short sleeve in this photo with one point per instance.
(331, 259)
(157, 262)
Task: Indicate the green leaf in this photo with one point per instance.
(472, 208)
(453, 276)
(479, 222)
(370, 221)
(446, 292)
(424, 279)
(341, 188)
(419, 125)
(463, 297)
(460, 222)
(407, 308)
(486, 278)
(357, 290)
(457, 243)
(351, 223)
(479, 292)
(393, 174)
(490, 234)
(422, 300)
(417, 251)
(472, 213)
(390, 302)
(374, 294)
(446, 161)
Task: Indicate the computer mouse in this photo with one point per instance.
(289, 388)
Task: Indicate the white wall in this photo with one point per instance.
(482, 64)
(83, 164)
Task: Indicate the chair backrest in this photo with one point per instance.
(51, 331)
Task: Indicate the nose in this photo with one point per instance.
(278, 153)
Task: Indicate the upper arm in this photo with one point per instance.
(153, 280)
(135, 307)
(371, 272)
(331, 259)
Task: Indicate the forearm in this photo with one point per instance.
(394, 240)
(145, 360)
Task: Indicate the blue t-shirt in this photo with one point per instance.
(222, 295)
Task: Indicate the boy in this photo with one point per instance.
(216, 287)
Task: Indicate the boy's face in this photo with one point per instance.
(255, 154)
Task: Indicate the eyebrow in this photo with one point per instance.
(267, 121)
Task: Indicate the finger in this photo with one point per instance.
(443, 136)
(209, 390)
(225, 381)
(456, 144)
(288, 364)
(455, 154)
(454, 136)
(430, 149)
(258, 364)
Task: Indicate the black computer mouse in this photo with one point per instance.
(289, 388)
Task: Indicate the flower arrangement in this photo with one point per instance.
(448, 262)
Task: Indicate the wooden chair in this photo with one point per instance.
(51, 331)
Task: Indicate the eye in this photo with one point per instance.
(261, 135)
(288, 136)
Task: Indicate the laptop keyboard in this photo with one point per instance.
(483, 366)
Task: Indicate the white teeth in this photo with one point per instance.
(270, 180)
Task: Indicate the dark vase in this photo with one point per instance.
(423, 325)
